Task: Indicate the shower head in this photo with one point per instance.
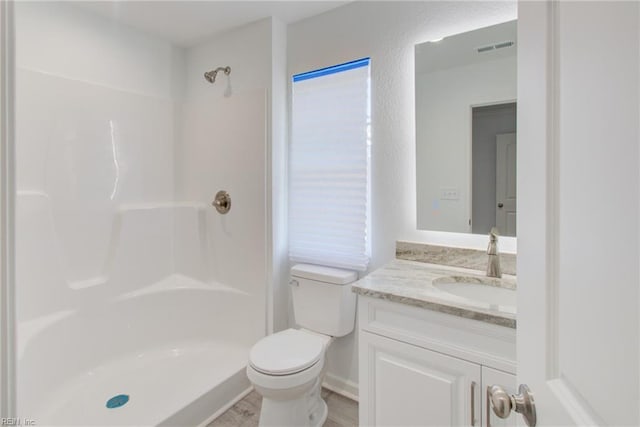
(211, 75)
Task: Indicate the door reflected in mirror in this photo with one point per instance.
(466, 131)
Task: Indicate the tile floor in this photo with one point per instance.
(343, 412)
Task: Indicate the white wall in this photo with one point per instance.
(59, 39)
(387, 32)
(443, 123)
(279, 274)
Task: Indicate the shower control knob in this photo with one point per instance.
(222, 202)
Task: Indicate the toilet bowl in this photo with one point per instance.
(287, 368)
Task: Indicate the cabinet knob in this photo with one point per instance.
(503, 403)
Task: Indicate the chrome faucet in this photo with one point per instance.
(493, 264)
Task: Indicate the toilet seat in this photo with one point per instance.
(287, 352)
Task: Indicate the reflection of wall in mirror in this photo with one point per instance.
(443, 123)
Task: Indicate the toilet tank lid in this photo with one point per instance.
(321, 273)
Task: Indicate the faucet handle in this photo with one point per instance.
(492, 249)
(493, 266)
(493, 234)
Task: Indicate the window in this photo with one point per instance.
(329, 167)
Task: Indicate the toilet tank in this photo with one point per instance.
(322, 299)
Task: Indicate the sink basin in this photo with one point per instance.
(489, 291)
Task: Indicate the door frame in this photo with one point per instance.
(7, 205)
(537, 203)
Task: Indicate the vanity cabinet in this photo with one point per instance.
(413, 386)
(421, 367)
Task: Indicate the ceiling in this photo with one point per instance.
(185, 23)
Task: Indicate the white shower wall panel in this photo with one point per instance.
(95, 130)
(92, 150)
(247, 50)
(223, 147)
(128, 280)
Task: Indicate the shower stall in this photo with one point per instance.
(135, 300)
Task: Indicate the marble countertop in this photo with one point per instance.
(412, 283)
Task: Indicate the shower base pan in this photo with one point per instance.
(167, 386)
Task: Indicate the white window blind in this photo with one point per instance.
(329, 167)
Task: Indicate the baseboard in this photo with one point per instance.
(222, 410)
(341, 386)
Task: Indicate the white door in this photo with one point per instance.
(411, 386)
(578, 211)
(506, 183)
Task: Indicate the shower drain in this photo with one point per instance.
(117, 401)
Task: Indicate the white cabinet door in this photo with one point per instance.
(508, 382)
(405, 385)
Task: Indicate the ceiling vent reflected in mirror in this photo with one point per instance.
(491, 47)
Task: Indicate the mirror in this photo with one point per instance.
(466, 131)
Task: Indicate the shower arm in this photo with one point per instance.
(211, 75)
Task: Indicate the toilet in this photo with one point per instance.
(286, 368)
